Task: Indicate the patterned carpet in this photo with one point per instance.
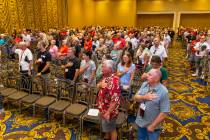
(189, 118)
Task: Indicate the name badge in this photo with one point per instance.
(66, 70)
(142, 109)
(142, 106)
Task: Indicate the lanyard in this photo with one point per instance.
(21, 55)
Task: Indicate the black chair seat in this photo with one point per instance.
(95, 119)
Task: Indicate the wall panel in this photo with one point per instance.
(4, 16)
(102, 12)
(190, 20)
(32, 14)
(172, 5)
(164, 20)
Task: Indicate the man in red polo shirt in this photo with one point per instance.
(118, 38)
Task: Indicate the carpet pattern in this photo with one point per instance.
(189, 118)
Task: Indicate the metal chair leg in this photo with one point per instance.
(48, 114)
(20, 107)
(34, 110)
(64, 118)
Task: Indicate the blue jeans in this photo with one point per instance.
(143, 134)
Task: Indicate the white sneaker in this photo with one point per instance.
(194, 74)
(1, 110)
(186, 57)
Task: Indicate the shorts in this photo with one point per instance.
(108, 125)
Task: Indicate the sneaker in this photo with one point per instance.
(202, 76)
(187, 57)
(194, 74)
(1, 110)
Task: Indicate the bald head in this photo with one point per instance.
(154, 76)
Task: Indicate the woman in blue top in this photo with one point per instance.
(125, 70)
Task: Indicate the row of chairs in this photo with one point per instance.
(53, 95)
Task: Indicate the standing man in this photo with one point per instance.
(156, 64)
(109, 99)
(154, 106)
(43, 59)
(158, 49)
(72, 65)
(25, 63)
(25, 58)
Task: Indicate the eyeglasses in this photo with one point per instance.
(154, 51)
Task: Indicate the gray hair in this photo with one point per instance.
(22, 43)
(157, 73)
(109, 64)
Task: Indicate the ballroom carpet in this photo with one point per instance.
(189, 118)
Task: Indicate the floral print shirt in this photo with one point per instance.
(109, 94)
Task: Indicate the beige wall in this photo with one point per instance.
(176, 6)
(101, 12)
(173, 5)
(188, 20)
(164, 20)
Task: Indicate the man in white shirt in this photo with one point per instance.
(25, 58)
(95, 43)
(26, 37)
(158, 49)
(198, 49)
(166, 41)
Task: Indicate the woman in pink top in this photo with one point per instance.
(53, 49)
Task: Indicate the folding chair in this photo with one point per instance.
(93, 105)
(81, 104)
(36, 92)
(51, 95)
(66, 96)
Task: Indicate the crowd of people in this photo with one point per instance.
(197, 44)
(106, 58)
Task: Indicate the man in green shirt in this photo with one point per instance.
(156, 64)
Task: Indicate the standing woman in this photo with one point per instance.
(125, 71)
(88, 69)
(53, 50)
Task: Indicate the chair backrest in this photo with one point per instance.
(24, 83)
(4, 74)
(51, 86)
(53, 70)
(13, 80)
(66, 89)
(38, 85)
(82, 93)
(93, 96)
(59, 72)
